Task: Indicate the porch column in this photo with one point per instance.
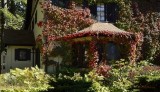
(133, 47)
(132, 51)
(93, 55)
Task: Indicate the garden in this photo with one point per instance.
(119, 77)
(84, 67)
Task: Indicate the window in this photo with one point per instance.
(113, 52)
(79, 55)
(60, 3)
(111, 12)
(22, 54)
(108, 52)
(105, 12)
(101, 12)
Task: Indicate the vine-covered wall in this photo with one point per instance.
(134, 16)
(140, 16)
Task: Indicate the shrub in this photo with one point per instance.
(121, 77)
(70, 83)
(27, 80)
(77, 82)
(126, 78)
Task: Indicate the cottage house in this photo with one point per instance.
(102, 12)
(18, 51)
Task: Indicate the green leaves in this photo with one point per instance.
(14, 21)
(14, 17)
(27, 80)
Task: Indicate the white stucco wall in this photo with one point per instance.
(11, 63)
(37, 30)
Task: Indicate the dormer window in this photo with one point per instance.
(105, 12)
(100, 12)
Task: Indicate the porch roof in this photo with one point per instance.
(101, 29)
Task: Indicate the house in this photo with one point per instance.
(102, 12)
(34, 15)
(19, 45)
(18, 51)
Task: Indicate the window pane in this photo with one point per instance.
(98, 18)
(100, 12)
(22, 55)
(98, 9)
(102, 18)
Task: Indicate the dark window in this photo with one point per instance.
(108, 52)
(22, 54)
(113, 52)
(36, 17)
(112, 12)
(61, 3)
(79, 55)
(105, 12)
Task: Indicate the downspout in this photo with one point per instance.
(33, 56)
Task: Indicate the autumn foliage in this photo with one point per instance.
(63, 21)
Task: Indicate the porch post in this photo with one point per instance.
(93, 60)
(132, 51)
(133, 47)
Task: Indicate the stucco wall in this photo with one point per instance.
(11, 63)
(37, 30)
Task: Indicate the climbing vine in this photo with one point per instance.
(60, 22)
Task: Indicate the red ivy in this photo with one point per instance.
(60, 22)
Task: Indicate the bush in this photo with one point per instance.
(126, 78)
(121, 77)
(89, 82)
(75, 83)
(27, 80)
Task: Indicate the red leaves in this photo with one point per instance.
(60, 22)
(40, 23)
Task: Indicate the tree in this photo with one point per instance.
(14, 12)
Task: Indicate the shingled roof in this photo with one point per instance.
(18, 37)
(100, 29)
